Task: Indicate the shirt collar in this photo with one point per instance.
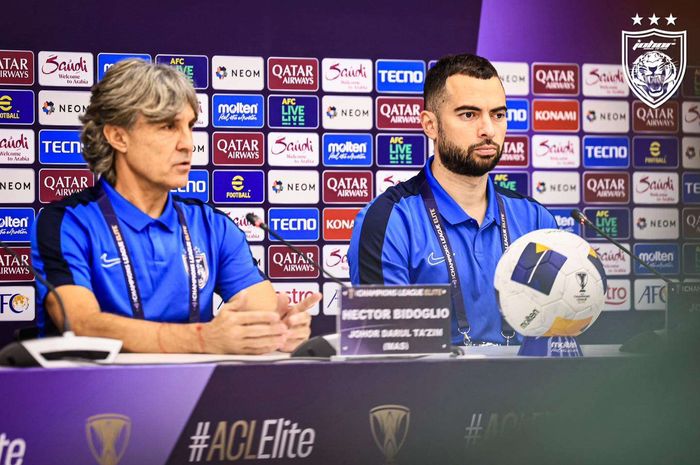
(128, 213)
(450, 209)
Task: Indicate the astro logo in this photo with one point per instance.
(295, 224)
(237, 111)
(518, 114)
(400, 76)
(400, 150)
(48, 108)
(238, 186)
(221, 72)
(292, 111)
(197, 186)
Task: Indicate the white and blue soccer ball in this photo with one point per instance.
(550, 283)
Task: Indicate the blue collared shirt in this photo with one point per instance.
(71, 244)
(393, 242)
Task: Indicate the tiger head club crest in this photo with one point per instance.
(654, 60)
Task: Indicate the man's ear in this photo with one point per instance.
(117, 137)
(428, 120)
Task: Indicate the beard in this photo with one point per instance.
(465, 162)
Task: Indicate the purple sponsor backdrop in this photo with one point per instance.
(49, 409)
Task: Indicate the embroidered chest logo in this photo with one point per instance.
(202, 266)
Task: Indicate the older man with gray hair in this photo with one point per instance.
(134, 262)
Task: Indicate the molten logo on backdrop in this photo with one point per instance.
(654, 60)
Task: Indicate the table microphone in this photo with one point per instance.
(581, 218)
(256, 221)
(56, 351)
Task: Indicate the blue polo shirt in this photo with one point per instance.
(393, 242)
(71, 244)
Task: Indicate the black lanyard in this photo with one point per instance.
(453, 275)
(127, 267)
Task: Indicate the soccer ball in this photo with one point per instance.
(550, 283)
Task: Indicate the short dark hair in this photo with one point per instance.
(466, 64)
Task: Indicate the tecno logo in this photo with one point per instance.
(294, 224)
(400, 76)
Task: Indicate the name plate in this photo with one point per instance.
(394, 320)
(683, 307)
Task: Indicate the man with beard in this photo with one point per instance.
(450, 224)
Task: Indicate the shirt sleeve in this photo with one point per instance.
(60, 250)
(379, 247)
(545, 219)
(237, 269)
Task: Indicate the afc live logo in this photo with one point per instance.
(613, 221)
(194, 67)
(401, 150)
(292, 111)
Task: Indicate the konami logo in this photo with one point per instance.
(284, 263)
(347, 186)
(298, 74)
(399, 113)
(555, 79)
(338, 223)
(556, 115)
(56, 184)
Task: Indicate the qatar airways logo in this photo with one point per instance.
(16, 67)
(399, 113)
(604, 81)
(284, 263)
(296, 74)
(347, 186)
(662, 119)
(346, 75)
(555, 151)
(56, 184)
(293, 149)
(16, 268)
(515, 152)
(655, 187)
(66, 69)
(606, 187)
(555, 79)
(16, 146)
(238, 148)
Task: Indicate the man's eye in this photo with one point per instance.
(468, 114)
(500, 115)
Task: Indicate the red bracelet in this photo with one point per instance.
(200, 336)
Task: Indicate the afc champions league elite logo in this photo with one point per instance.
(389, 425)
(654, 60)
(202, 267)
(108, 437)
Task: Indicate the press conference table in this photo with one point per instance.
(488, 406)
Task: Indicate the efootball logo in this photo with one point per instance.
(654, 60)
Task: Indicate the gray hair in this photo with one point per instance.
(129, 88)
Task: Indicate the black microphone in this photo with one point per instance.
(59, 351)
(48, 285)
(581, 218)
(256, 221)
